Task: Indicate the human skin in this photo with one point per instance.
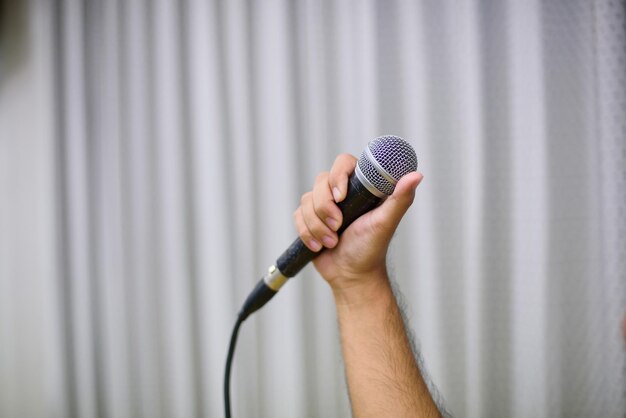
(382, 373)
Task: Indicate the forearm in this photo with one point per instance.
(383, 376)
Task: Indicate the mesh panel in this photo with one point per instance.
(394, 155)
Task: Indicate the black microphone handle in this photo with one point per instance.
(358, 201)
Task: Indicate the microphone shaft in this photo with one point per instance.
(358, 201)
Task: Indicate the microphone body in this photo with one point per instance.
(381, 165)
(357, 202)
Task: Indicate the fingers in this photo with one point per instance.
(303, 231)
(324, 204)
(318, 217)
(339, 173)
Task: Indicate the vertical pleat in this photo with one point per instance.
(77, 174)
(446, 180)
(110, 257)
(609, 17)
(209, 143)
(152, 154)
(172, 276)
(235, 66)
(275, 181)
(496, 236)
(468, 81)
(140, 223)
(529, 211)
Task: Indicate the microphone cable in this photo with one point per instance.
(256, 299)
(229, 361)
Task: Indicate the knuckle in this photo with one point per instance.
(317, 230)
(321, 177)
(304, 234)
(323, 209)
(341, 157)
(344, 157)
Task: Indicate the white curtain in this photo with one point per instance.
(152, 152)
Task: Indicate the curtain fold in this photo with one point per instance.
(152, 153)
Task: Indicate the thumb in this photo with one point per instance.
(393, 209)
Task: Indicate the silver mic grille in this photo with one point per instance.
(385, 160)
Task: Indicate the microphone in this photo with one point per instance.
(383, 162)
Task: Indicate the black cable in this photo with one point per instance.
(229, 360)
(259, 297)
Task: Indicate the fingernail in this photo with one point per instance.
(328, 241)
(315, 246)
(336, 194)
(332, 223)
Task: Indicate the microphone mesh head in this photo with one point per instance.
(393, 155)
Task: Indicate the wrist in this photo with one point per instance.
(363, 291)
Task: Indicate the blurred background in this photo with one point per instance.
(152, 153)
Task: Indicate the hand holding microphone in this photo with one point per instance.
(362, 249)
(351, 189)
